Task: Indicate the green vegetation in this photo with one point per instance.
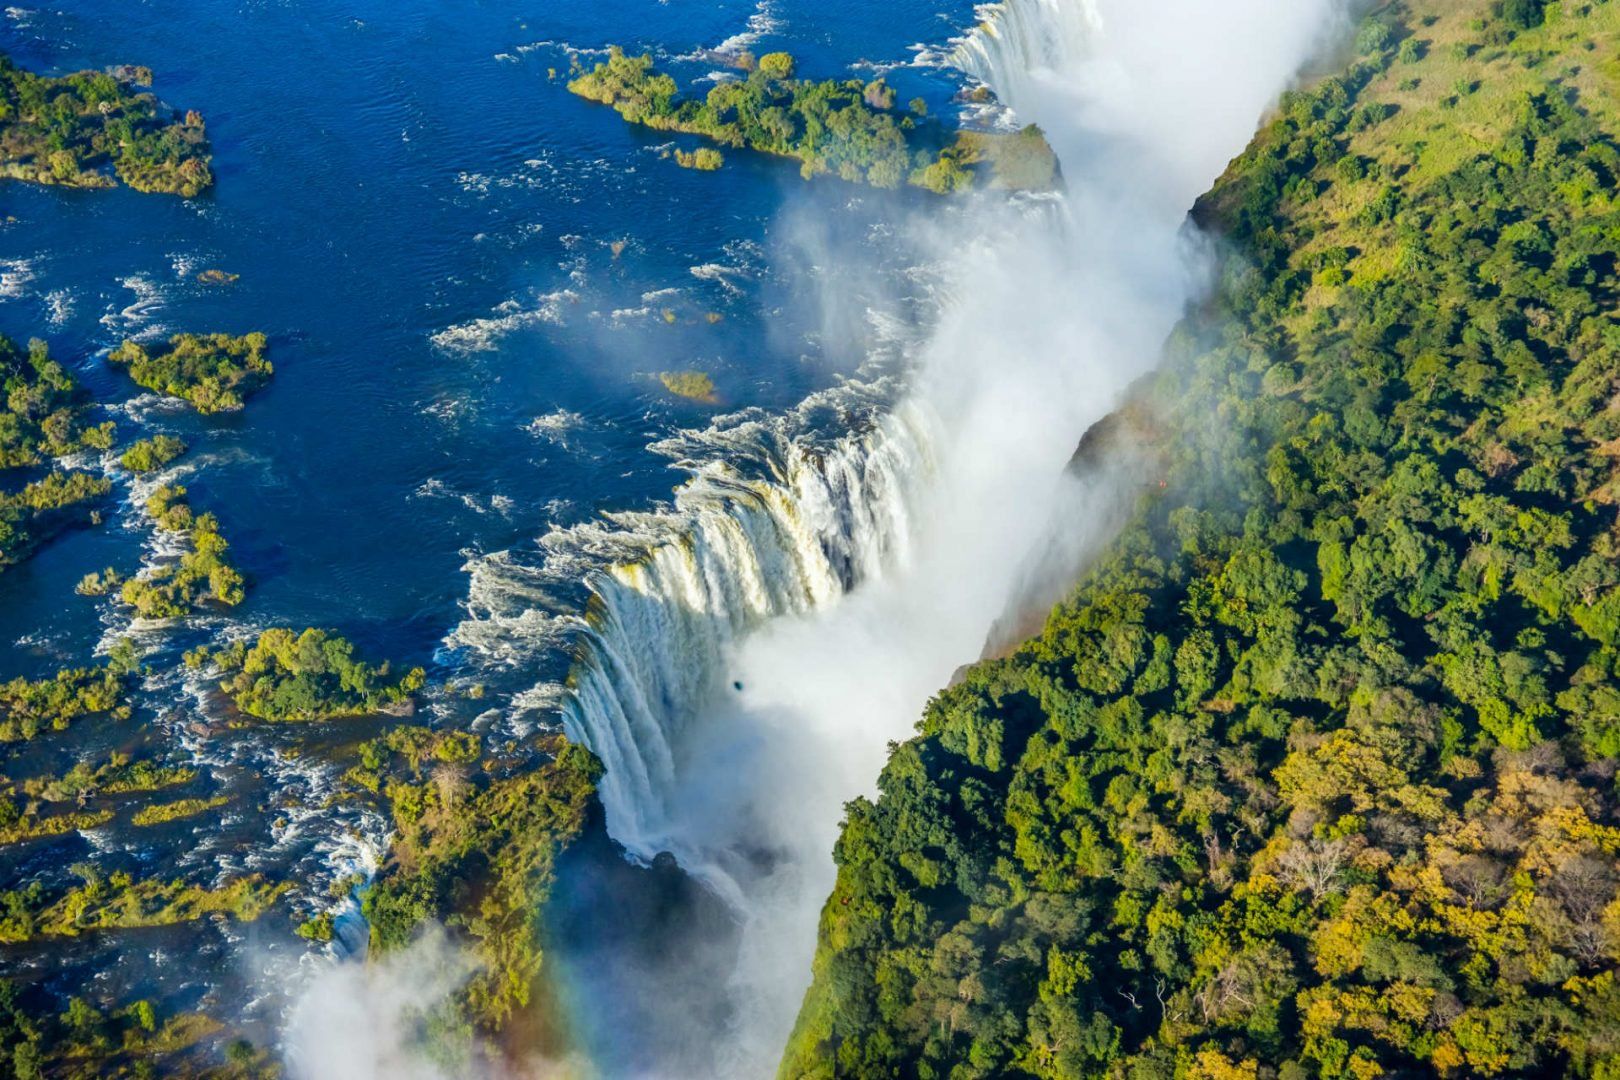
(214, 372)
(1018, 161)
(200, 576)
(71, 130)
(411, 748)
(180, 808)
(43, 413)
(82, 1041)
(42, 417)
(848, 129)
(31, 706)
(118, 775)
(57, 491)
(703, 159)
(43, 508)
(689, 384)
(1313, 776)
(479, 853)
(18, 825)
(287, 676)
(149, 455)
(99, 582)
(118, 901)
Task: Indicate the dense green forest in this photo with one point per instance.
(74, 129)
(1313, 775)
(849, 129)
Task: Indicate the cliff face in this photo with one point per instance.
(1313, 774)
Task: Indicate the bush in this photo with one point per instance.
(287, 676)
(214, 372)
(149, 455)
(1524, 14)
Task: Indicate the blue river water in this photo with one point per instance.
(470, 279)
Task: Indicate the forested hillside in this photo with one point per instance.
(1314, 773)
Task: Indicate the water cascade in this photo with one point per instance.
(1016, 44)
(747, 662)
(664, 627)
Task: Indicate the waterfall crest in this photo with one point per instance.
(1018, 42)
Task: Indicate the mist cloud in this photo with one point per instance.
(376, 1021)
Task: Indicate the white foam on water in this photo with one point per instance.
(16, 275)
(485, 334)
(61, 304)
(765, 20)
(136, 317)
(556, 426)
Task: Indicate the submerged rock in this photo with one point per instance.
(696, 385)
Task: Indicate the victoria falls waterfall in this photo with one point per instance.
(743, 678)
(814, 539)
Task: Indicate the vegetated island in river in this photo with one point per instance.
(92, 129)
(42, 418)
(286, 676)
(201, 576)
(150, 454)
(849, 129)
(214, 372)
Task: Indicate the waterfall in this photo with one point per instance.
(662, 628)
(1020, 42)
(780, 514)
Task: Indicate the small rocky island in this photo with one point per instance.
(694, 385)
(845, 128)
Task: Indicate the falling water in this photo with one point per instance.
(666, 623)
(664, 626)
(1018, 43)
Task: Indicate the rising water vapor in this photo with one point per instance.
(374, 1021)
(743, 682)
